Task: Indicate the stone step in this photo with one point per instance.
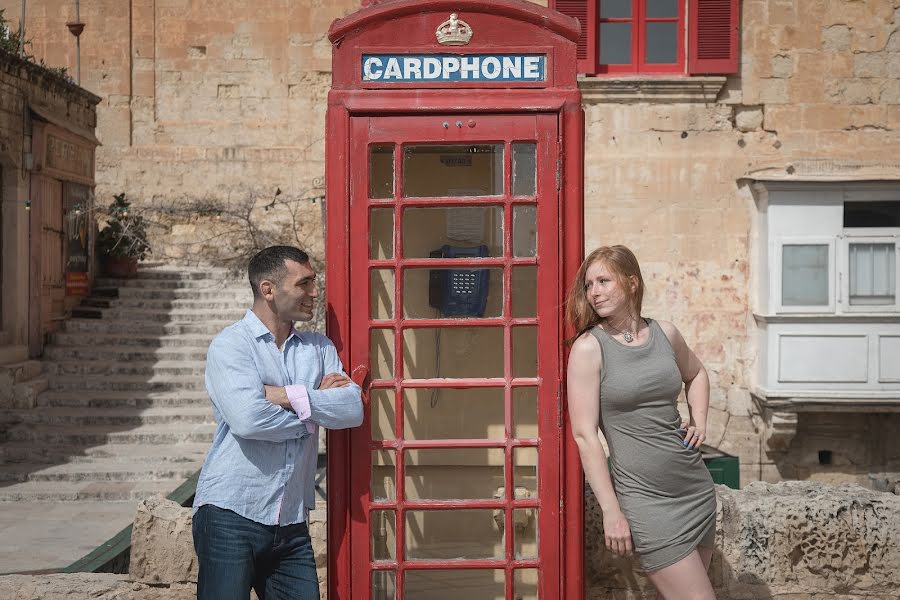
(211, 274)
(158, 283)
(155, 370)
(99, 471)
(130, 326)
(61, 491)
(176, 305)
(114, 417)
(135, 341)
(175, 315)
(97, 302)
(211, 293)
(123, 399)
(39, 453)
(123, 353)
(94, 435)
(136, 383)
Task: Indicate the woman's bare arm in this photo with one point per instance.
(583, 396)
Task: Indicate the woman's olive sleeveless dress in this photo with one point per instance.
(664, 489)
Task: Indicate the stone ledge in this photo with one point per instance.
(598, 90)
(785, 401)
(45, 78)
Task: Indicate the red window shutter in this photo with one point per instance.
(585, 11)
(714, 34)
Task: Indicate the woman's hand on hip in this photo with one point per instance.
(617, 533)
(694, 435)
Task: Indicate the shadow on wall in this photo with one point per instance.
(796, 539)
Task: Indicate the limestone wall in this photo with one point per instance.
(209, 108)
(818, 94)
(204, 105)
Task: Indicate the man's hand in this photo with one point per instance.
(278, 396)
(334, 380)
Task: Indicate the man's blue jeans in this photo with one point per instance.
(235, 554)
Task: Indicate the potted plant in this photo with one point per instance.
(123, 240)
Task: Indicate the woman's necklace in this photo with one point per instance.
(626, 335)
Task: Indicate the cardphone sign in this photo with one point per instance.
(422, 68)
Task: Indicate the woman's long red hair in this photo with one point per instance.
(624, 265)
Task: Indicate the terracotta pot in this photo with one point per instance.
(120, 267)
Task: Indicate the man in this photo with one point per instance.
(271, 388)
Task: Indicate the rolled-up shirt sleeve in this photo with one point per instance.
(299, 400)
(235, 388)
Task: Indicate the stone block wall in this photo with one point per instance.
(815, 98)
(209, 109)
(204, 106)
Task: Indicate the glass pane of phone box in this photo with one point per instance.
(454, 231)
(454, 473)
(453, 413)
(452, 293)
(454, 534)
(453, 584)
(452, 170)
(453, 352)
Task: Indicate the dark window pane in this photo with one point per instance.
(615, 9)
(661, 9)
(524, 169)
(872, 214)
(381, 171)
(615, 43)
(662, 43)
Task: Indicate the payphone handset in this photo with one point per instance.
(459, 292)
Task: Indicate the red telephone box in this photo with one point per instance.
(454, 219)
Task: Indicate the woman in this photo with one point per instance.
(625, 374)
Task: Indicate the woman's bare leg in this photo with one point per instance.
(685, 580)
(706, 553)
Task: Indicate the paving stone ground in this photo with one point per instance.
(38, 536)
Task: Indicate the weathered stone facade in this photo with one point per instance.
(217, 107)
(34, 103)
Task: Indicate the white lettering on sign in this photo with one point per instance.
(409, 68)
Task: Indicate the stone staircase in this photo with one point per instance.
(125, 414)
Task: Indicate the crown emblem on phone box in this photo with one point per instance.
(453, 32)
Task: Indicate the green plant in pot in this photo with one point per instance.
(123, 240)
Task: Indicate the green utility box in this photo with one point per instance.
(724, 468)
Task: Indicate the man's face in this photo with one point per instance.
(295, 297)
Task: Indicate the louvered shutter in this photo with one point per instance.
(714, 36)
(586, 13)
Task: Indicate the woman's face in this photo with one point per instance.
(604, 292)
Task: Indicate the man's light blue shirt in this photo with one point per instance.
(262, 462)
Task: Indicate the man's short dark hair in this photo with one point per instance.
(271, 264)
